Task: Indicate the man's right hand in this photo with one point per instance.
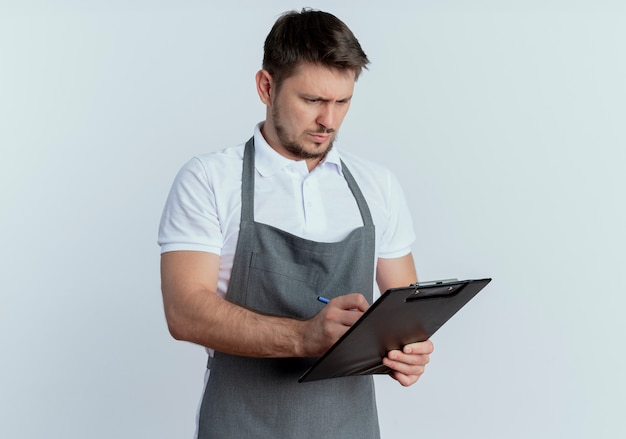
(323, 330)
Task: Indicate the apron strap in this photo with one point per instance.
(358, 196)
(247, 183)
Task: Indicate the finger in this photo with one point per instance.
(353, 302)
(410, 359)
(406, 374)
(335, 322)
(405, 380)
(408, 366)
(424, 347)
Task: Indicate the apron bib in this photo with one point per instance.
(277, 273)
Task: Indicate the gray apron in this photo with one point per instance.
(277, 273)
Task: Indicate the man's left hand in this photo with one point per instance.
(408, 364)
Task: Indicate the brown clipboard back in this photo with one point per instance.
(400, 316)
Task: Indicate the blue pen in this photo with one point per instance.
(323, 299)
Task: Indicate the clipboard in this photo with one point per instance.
(400, 316)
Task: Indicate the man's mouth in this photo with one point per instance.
(319, 138)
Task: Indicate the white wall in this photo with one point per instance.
(505, 121)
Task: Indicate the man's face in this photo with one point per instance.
(305, 115)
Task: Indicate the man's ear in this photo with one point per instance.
(265, 86)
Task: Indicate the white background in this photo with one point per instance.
(505, 121)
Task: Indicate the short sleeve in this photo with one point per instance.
(189, 220)
(398, 233)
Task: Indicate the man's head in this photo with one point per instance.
(310, 65)
(313, 37)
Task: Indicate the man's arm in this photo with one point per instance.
(396, 272)
(408, 364)
(195, 313)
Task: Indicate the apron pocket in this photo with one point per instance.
(282, 288)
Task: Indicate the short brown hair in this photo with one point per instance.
(311, 36)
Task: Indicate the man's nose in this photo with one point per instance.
(327, 117)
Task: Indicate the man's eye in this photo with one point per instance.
(312, 101)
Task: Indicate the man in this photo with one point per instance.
(251, 235)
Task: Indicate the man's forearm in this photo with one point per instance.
(211, 321)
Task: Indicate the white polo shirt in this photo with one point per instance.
(203, 209)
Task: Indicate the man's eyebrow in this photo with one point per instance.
(314, 97)
(323, 99)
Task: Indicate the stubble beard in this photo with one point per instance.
(296, 148)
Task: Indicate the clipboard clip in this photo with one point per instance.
(430, 290)
(433, 282)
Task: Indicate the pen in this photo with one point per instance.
(325, 300)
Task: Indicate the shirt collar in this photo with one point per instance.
(268, 162)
